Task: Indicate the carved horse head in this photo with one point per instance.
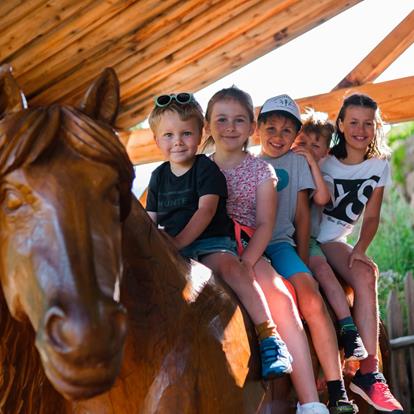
(65, 184)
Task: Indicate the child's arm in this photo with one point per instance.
(321, 195)
(265, 220)
(302, 225)
(207, 207)
(369, 228)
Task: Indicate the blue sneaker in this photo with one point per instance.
(276, 359)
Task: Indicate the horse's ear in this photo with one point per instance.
(101, 101)
(12, 98)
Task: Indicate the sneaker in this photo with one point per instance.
(343, 407)
(354, 349)
(276, 359)
(312, 408)
(373, 389)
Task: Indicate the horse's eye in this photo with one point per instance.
(113, 195)
(12, 201)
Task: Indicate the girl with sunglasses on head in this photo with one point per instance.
(187, 197)
(251, 204)
(356, 171)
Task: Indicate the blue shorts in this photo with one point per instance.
(285, 259)
(203, 247)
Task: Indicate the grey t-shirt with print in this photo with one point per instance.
(294, 175)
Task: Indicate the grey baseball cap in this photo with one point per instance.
(282, 103)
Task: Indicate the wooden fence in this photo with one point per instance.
(401, 336)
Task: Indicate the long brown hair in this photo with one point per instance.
(378, 147)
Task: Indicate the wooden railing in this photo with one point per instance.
(402, 343)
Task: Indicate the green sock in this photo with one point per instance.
(347, 324)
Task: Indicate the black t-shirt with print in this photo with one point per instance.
(175, 199)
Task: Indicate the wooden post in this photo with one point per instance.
(409, 298)
(399, 378)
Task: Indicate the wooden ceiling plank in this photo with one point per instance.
(184, 35)
(59, 38)
(395, 98)
(12, 11)
(381, 57)
(244, 48)
(102, 59)
(38, 23)
(85, 50)
(233, 31)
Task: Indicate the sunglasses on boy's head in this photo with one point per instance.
(181, 98)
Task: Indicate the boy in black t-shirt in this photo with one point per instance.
(187, 194)
(187, 197)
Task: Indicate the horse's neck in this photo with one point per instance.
(144, 247)
(153, 268)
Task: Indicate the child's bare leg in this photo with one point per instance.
(242, 282)
(363, 279)
(322, 331)
(290, 328)
(330, 286)
(276, 360)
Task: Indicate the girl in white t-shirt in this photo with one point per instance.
(356, 172)
(252, 204)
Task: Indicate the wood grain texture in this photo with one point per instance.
(56, 47)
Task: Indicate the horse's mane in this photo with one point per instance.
(26, 137)
(23, 384)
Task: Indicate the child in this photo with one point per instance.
(187, 196)
(278, 124)
(357, 171)
(313, 143)
(252, 203)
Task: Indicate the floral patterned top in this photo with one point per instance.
(242, 182)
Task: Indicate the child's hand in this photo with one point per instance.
(248, 268)
(298, 149)
(357, 255)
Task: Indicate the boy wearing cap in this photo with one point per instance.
(278, 125)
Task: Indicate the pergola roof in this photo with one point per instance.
(56, 48)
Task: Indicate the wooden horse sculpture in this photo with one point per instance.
(112, 320)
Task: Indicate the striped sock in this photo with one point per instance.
(347, 324)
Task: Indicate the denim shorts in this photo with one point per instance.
(203, 247)
(285, 259)
(315, 248)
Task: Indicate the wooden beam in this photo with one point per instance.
(12, 11)
(36, 23)
(254, 41)
(69, 36)
(381, 57)
(145, 67)
(395, 98)
(169, 29)
(94, 45)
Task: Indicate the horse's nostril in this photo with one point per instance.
(82, 334)
(54, 332)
